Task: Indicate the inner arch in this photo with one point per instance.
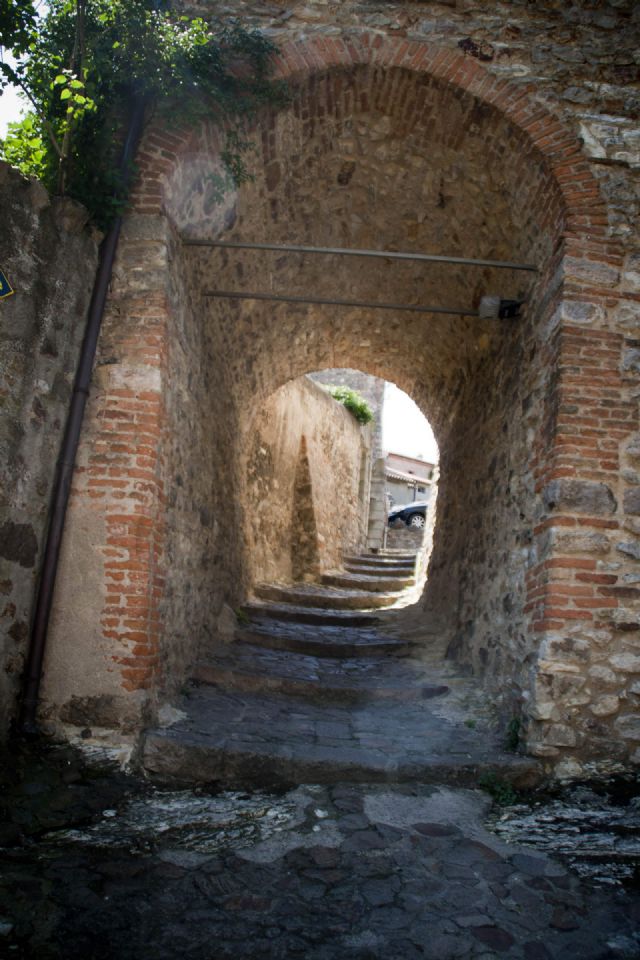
(391, 159)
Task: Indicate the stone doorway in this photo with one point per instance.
(389, 146)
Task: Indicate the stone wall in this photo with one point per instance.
(371, 388)
(301, 423)
(160, 543)
(49, 256)
(154, 536)
(481, 130)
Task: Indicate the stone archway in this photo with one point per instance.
(527, 500)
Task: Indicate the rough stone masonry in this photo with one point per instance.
(490, 130)
(40, 331)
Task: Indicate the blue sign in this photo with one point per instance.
(5, 287)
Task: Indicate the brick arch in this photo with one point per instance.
(562, 151)
(140, 412)
(586, 222)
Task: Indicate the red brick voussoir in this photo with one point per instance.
(296, 61)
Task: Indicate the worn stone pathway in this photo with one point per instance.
(332, 811)
(311, 691)
(321, 872)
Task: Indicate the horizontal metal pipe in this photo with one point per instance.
(236, 295)
(345, 252)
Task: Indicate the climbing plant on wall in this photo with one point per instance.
(353, 401)
(83, 63)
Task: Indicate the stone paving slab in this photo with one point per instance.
(375, 581)
(305, 615)
(315, 595)
(320, 679)
(246, 737)
(393, 573)
(395, 555)
(383, 562)
(366, 871)
(320, 640)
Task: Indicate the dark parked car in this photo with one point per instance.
(413, 514)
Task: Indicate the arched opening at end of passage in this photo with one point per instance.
(319, 481)
(411, 468)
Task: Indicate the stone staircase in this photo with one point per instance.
(313, 690)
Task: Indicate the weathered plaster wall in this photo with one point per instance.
(97, 662)
(153, 518)
(49, 256)
(337, 449)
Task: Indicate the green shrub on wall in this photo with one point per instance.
(354, 402)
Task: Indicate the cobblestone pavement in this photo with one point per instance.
(317, 872)
(363, 833)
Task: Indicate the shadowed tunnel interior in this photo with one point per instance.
(382, 159)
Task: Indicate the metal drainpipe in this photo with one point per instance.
(68, 451)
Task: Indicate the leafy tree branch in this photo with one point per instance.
(81, 66)
(17, 23)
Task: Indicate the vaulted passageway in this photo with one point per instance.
(362, 158)
(347, 166)
(391, 148)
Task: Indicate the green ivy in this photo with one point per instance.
(354, 402)
(25, 149)
(87, 60)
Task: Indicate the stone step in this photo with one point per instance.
(376, 583)
(392, 555)
(320, 640)
(399, 573)
(326, 598)
(302, 615)
(252, 668)
(381, 563)
(260, 740)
